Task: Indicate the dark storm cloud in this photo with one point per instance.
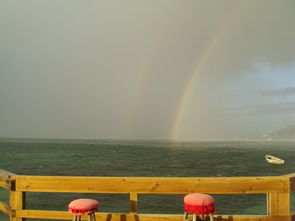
(255, 34)
(114, 69)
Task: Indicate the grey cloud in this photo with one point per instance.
(250, 38)
(266, 109)
(279, 108)
(281, 92)
(104, 69)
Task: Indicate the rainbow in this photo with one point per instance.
(184, 98)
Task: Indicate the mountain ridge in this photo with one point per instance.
(286, 133)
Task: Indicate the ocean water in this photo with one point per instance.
(144, 158)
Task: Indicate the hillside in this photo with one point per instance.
(287, 133)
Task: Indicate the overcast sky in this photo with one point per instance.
(164, 69)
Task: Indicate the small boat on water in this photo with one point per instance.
(274, 160)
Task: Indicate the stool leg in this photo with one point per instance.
(194, 217)
(77, 218)
(211, 217)
(91, 217)
(185, 216)
(201, 217)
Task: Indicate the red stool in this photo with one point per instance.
(80, 207)
(199, 204)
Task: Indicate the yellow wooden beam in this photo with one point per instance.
(133, 202)
(63, 215)
(4, 173)
(5, 179)
(16, 202)
(278, 204)
(153, 185)
(291, 177)
(4, 208)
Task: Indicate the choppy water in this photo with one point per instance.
(145, 158)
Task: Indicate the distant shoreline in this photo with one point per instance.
(121, 140)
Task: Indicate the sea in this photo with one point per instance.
(144, 158)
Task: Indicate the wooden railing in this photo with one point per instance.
(277, 188)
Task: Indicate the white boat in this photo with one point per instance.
(274, 160)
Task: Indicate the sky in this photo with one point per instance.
(157, 69)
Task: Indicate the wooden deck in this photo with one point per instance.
(277, 189)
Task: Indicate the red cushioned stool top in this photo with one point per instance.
(83, 206)
(199, 203)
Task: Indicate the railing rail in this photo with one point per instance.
(153, 185)
(5, 179)
(277, 188)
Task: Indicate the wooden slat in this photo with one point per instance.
(278, 204)
(44, 214)
(291, 177)
(5, 179)
(16, 199)
(60, 215)
(5, 183)
(4, 208)
(146, 185)
(4, 173)
(292, 184)
(133, 202)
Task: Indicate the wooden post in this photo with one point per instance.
(278, 204)
(16, 201)
(133, 202)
